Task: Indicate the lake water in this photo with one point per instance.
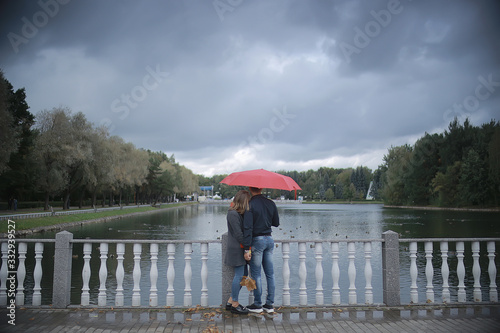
(298, 221)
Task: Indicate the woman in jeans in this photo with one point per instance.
(235, 255)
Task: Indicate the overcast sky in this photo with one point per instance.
(232, 85)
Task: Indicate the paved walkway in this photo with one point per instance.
(468, 318)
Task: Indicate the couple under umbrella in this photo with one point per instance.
(249, 221)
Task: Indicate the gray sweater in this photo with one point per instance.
(234, 253)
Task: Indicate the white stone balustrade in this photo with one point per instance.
(120, 273)
(445, 272)
(356, 254)
(153, 275)
(335, 274)
(460, 269)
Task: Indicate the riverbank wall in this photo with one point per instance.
(63, 226)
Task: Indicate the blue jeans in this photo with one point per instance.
(262, 257)
(239, 271)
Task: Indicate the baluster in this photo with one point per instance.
(136, 273)
(37, 295)
(87, 250)
(21, 273)
(368, 273)
(285, 248)
(445, 271)
(153, 275)
(461, 271)
(204, 274)
(492, 271)
(319, 273)
(351, 271)
(188, 299)
(120, 273)
(335, 274)
(476, 272)
(103, 274)
(3, 274)
(170, 275)
(429, 272)
(413, 273)
(302, 274)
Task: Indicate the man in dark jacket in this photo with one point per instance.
(257, 238)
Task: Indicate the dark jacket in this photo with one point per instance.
(263, 215)
(234, 252)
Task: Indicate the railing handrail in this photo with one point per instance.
(29, 240)
(294, 240)
(144, 241)
(453, 239)
(354, 240)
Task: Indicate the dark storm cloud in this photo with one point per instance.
(229, 85)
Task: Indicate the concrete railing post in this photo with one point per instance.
(227, 273)
(62, 270)
(390, 268)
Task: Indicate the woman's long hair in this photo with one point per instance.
(240, 202)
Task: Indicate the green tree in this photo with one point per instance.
(474, 179)
(457, 140)
(52, 146)
(378, 182)
(422, 168)
(16, 135)
(130, 166)
(396, 161)
(446, 185)
(350, 192)
(494, 164)
(330, 196)
(100, 176)
(10, 127)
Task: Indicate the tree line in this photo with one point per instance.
(324, 184)
(457, 168)
(61, 156)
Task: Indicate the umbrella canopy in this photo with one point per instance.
(262, 179)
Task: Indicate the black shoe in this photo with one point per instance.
(254, 308)
(268, 308)
(240, 309)
(228, 306)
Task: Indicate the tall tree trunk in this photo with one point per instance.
(66, 199)
(80, 203)
(46, 205)
(94, 198)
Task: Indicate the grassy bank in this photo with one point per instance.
(26, 224)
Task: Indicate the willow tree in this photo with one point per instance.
(52, 146)
(100, 176)
(129, 166)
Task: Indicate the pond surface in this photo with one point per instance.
(298, 221)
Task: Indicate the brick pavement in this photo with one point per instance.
(466, 318)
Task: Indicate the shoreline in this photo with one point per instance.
(494, 210)
(64, 225)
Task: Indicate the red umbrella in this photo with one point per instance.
(262, 179)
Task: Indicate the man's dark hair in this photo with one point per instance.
(255, 189)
